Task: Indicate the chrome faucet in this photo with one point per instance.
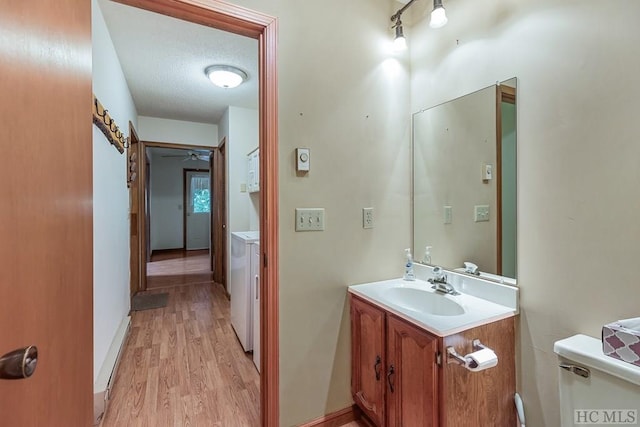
(471, 268)
(440, 284)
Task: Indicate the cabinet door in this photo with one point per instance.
(367, 358)
(412, 376)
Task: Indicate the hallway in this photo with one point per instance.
(182, 365)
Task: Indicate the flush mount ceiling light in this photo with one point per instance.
(438, 15)
(225, 76)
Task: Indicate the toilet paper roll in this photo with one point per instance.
(481, 360)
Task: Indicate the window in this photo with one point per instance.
(200, 194)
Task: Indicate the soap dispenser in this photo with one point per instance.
(427, 255)
(408, 268)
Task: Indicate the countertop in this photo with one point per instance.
(478, 311)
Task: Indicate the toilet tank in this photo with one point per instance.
(595, 389)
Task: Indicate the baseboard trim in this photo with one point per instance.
(102, 386)
(334, 419)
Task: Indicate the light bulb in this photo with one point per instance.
(438, 17)
(400, 42)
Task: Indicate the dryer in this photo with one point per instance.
(241, 286)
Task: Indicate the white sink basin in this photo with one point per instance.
(439, 314)
(421, 300)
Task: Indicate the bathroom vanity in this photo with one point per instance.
(402, 374)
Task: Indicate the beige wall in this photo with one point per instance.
(578, 201)
(342, 96)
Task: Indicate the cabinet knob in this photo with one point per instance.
(376, 367)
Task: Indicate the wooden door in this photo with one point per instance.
(136, 263)
(46, 218)
(219, 226)
(412, 376)
(196, 222)
(368, 358)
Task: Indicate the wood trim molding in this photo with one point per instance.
(335, 419)
(264, 28)
(212, 13)
(269, 224)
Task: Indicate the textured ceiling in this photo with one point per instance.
(163, 60)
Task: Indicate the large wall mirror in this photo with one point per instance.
(464, 183)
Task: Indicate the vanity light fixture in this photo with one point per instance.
(438, 19)
(438, 15)
(225, 76)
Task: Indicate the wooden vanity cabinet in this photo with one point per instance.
(400, 376)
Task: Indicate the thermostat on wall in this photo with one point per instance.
(303, 159)
(487, 172)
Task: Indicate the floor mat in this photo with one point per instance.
(148, 301)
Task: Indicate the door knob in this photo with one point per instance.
(19, 364)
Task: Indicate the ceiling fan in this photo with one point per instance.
(192, 155)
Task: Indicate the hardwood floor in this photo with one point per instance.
(178, 267)
(183, 366)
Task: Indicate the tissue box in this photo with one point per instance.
(621, 340)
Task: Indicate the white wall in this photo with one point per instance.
(239, 126)
(153, 129)
(166, 200)
(578, 203)
(111, 197)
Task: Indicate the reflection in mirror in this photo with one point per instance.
(464, 183)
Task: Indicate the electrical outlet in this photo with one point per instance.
(367, 217)
(309, 219)
(448, 214)
(481, 213)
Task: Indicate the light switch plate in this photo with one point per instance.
(309, 219)
(481, 213)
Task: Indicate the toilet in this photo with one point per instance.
(595, 389)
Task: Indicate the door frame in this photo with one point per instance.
(219, 219)
(184, 203)
(143, 176)
(239, 20)
(135, 239)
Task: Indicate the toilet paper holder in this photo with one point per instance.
(454, 357)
